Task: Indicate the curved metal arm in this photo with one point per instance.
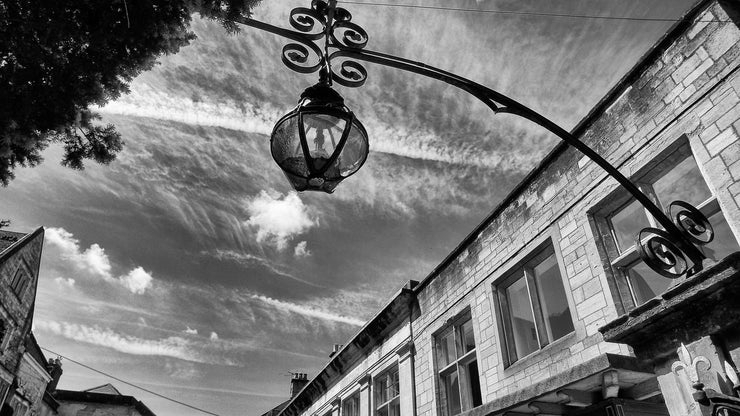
(500, 103)
(662, 251)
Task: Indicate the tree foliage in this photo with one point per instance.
(58, 57)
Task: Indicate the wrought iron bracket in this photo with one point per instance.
(665, 250)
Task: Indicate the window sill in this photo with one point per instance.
(538, 355)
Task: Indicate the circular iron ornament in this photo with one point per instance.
(305, 20)
(351, 74)
(660, 254)
(691, 222)
(296, 57)
(350, 35)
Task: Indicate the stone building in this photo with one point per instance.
(28, 382)
(546, 307)
(33, 378)
(20, 259)
(103, 400)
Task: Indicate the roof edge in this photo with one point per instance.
(20, 243)
(406, 293)
(648, 58)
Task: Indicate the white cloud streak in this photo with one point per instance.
(307, 311)
(176, 347)
(253, 260)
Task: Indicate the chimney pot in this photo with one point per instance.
(297, 382)
(336, 349)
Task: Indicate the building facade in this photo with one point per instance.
(546, 307)
(20, 259)
(103, 400)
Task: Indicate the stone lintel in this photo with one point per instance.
(700, 305)
(590, 368)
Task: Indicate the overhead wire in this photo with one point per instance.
(522, 13)
(129, 383)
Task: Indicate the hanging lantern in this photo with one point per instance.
(320, 142)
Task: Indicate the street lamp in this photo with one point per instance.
(320, 143)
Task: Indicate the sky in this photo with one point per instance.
(190, 268)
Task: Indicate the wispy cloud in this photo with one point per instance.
(251, 260)
(176, 347)
(149, 102)
(307, 311)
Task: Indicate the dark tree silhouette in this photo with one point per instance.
(58, 57)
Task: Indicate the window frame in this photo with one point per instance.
(19, 282)
(459, 364)
(523, 269)
(377, 405)
(621, 260)
(350, 398)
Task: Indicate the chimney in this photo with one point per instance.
(336, 349)
(55, 371)
(297, 382)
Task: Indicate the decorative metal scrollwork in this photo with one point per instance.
(350, 73)
(691, 222)
(333, 24)
(657, 248)
(306, 20)
(298, 57)
(350, 35)
(660, 254)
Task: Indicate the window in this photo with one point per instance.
(351, 405)
(458, 367)
(533, 308)
(19, 282)
(676, 177)
(3, 332)
(387, 394)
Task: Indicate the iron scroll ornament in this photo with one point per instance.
(661, 249)
(657, 249)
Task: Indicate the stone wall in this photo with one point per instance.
(32, 378)
(14, 310)
(95, 409)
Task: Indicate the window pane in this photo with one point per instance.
(724, 241)
(395, 408)
(553, 302)
(452, 393)
(351, 406)
(474, 383)
(684, 182)
(446, 348)
(646, 284)
(383, 411)
(381, 390)
(466, 335)
(627, 222)
(522, 321)
(393, 384)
